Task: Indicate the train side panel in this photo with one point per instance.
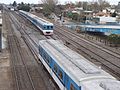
(61, 78)
(46, 29)
(50, 69)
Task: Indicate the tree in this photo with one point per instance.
(103, 4)
(79, 4)
(95, 6)
(114, 39)
(75, 16)
(14, 4)
(24, 7)
(85, 4)
(69, 14)
(49, 6)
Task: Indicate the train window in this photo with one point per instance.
(48, 59)
(44, 56)
(72, 87)
(55, 68)
(44, 27)
(47, 27)
(51, 27)
(60, 75)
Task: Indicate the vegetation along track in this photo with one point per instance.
(108, 59)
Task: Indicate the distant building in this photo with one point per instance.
(105, 20)
(88, 12)
(36, 9)
(118, 7)
(1, 6)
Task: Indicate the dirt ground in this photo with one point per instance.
(5, 71)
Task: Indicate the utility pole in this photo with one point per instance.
(0, 38)
(61, 19)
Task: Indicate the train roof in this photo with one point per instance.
(43, 21)
(102, 26)
(102, 84)
(37, 18)
(76, 66)
(23, 11)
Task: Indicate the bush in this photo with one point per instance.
(24, 7)
(114, 39)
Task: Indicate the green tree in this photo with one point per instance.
(79, 4)
(69, 14)
(14, 4)
(75, 16)
(114, 39)
(103, 4)
(85, 4)
(24, 7)
(49, 6)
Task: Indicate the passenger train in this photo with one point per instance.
(105, 29)
(71, 71)
(45, 26)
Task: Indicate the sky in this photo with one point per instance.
(61, 1)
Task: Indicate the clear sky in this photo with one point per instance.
(61, 1)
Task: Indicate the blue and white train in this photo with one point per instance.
(45, 26)
(72, 71)
(106, 29)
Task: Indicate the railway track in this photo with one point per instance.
(21, 73)
(116, 54)
(92, 42)
(23, 20)
(27, 23)
(111, 50)
(14, 73)
(107, 59)
(73, 40)
(31, 44)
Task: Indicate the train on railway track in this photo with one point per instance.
(71, 71)
(43, 25)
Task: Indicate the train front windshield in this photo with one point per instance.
(48, 27)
